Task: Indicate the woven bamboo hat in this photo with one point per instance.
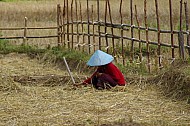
(100, 58)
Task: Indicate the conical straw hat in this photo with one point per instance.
(100, 58)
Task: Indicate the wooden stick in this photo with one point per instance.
(72, 28)
(187, 25)
(132, 35)
(98, 13)
(58, 25)
(76, 12)
(35, 28)
(147, 39)
(68, 41)
(171, 29)
(82, 26)
(112, 31)
(25, 30)
(158, 34)
(93, 27)
(105, 27)
(115, 25)
(122, 45)
(21, 37)
(180, 35)
(88, 26)
(69, 70)
(63, 23)
(139, 35)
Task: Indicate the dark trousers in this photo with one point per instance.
(104, 81)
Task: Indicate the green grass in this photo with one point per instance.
(69, 54)
(57, 52)
(6, 47)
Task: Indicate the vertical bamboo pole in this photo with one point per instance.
(88, 27)
(98, 13)
(122, 46)
(63, 22)
(171, 28)
(72, 28)
(61, 25)
(82, 27)
(158, 34)
(180, 34)
(58, 25)
(76, 12)
(147, 39)
(93, 27)
(25, 30)
(105, 29)
(139, 35)
(187, 26)
(132, 41)
(68, 40)
(112, 32)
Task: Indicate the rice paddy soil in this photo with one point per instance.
(36, 93)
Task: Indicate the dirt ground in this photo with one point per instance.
(37, 93)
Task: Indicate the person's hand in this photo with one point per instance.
(98, 74)
(78, 84)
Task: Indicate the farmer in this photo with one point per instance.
(107, 75)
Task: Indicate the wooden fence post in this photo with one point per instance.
(171, 29)
(181, 45)
(112, 31)
(72, 28)
(93, 27)
(25, 30)
(132, 34)
(76, 9)
(180, 35)
(187, 27)
(147, 37)
(98, 16)
(158, 34)
(122, 44)
(82, 28)
(63, 24)
(88, 27)
(68, 39)
(139, 36)
(105, 25)
(58, 25)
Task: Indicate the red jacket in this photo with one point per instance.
(111, 70)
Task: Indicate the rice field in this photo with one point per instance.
(28, 103)
(33, 92)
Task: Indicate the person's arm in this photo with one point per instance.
(88, 80)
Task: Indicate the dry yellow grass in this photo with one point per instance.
(63, 106)
(46, 10)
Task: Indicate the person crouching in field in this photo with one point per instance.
(107, 75)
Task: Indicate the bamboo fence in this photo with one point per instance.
(76, 30)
